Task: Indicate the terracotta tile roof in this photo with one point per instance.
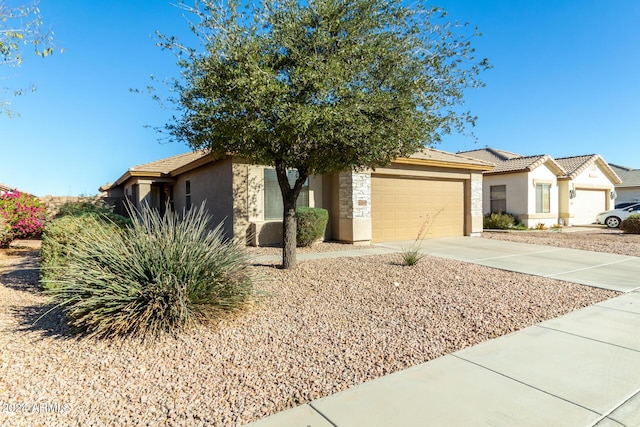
(526, 164)
(577, 164)
(630, 177)
(162, 167)
(491, 155)
(443, 156)
(169, 164)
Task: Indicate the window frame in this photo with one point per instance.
(187, 194)
(543, 198)
(273, 208)
(493, 199)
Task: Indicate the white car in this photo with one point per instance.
(613, 218)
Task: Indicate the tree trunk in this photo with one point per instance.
(289, 230)
(289, 199)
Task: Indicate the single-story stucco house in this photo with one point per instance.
(442, 190)
(629, 189)
(545, 190)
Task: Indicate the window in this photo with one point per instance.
(498, 198)
(273, 207)
(187, 193)
(135, 195)
(543, 198)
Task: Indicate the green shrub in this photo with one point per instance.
(92, 207)
(59, 236)
(312, 223)
(84, 207)
(159, 275)
(501, 221)
(631, 225)
(6, 234)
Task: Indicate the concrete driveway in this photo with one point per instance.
(602, 270)
(580, 369)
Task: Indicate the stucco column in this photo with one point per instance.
(565, 203)
(240, 200)
(354, 219)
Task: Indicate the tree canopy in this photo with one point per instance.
(321, 86)
(20, 25)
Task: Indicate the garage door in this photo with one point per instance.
(588, 204)
(401, 206)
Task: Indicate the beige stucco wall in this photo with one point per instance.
(211, 183)
(521, 195)
(517, 192)
(542, 175)
(269, 232)
(592, 178)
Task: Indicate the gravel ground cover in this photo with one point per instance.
(588, 239)
(322, 328)
(316, 247)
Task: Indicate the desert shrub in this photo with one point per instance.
(312, 223)
(500, 221)
(411, 256)
(59, 236)
(23, 216)
(631, 225)
(159, 275)
(92, 208)
(540, 226)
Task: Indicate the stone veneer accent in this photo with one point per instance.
(476, 196)
(355, 195)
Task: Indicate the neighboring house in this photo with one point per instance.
(432, 190)
(543, 190)
(629, 189)
(589, 183)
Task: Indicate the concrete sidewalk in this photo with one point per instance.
(580, 369)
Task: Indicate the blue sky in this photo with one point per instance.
(565, 82)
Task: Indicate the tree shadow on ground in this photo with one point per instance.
(47, 319)
(22, 273)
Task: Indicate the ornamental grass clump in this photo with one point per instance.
(161, 275)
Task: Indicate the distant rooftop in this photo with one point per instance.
(630, 177)
(491, 155)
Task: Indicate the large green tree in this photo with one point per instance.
(21, 25)
(320, 86)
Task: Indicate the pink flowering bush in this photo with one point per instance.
(21, 216)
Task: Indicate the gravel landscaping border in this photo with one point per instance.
(322, 328)
(588, 238)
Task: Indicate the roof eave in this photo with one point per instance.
(443, 164)
(206, 159)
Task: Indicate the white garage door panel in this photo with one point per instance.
(400, 207)
(588, 204)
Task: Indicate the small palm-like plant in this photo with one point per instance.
(164, 273)
(412, 255)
